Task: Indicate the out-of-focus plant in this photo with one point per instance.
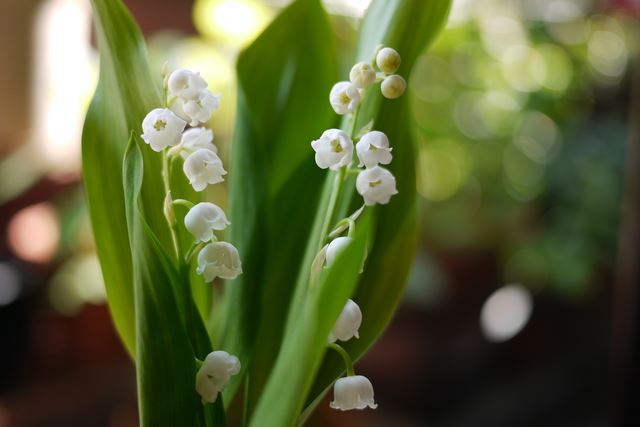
(513, 156)
(307, 263)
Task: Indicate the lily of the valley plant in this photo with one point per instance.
(247, 311)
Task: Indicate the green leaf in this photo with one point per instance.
(283, 81)
(303, 348)
(169, 337)
(126, 92)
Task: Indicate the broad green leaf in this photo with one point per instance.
(302, 350)
(126, 92)
(283, 81)
(169, 335)
(388, 264)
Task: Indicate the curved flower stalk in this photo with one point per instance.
(376, 185)
(191, 103)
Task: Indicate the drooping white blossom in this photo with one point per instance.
(348, 323)
(344, 97)
(388, 60)
(376, 185)
(199, 110)
(362, 75)
(353, 392)
(393, 86)
(334, 149)
(373, 149)
(203, 167)
(216, 370)
(196, 138)
(186, 85)
(335, 248)
(161, 128)
(219, 259)
(203, 219)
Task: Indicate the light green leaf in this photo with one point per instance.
(126, 92)
(283, 81)
(303, 348)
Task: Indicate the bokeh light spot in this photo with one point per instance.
(506, 312)
(443, 166)
(237, 21)
(34, 232)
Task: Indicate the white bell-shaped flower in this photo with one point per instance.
(376, 185)
(203, 218)
(161, 128)
(344, 97)
(203, 167)
(199, 110)
(362, 75)
(373, 149)
(388, 60)
(196, 138)
(186, 84)
(335, 248)
(333, 150)
(219, 259)
(216, 370)
(393, 86)
(348, 323)
(353, 392)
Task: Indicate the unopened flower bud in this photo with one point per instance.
(376, 185)
(168, 209)
(373, 149)
(203, 219)
(353, 392)
(335, 248)
(203, 167)
(362, 75)
(219, 259)
(348, 323)
(216, 370)
(388, 60)
(334, 149)
(393, 86)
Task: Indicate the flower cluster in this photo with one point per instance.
(334, 150)
(188, 102)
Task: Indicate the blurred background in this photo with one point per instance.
(522, 306)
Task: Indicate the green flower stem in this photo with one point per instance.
(345, 356)
(183, 202)
(183, 263)
(337, 187)
(173, 225)
(333, 201)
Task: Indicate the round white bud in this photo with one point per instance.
(393, 86)
(362, 75)
(348, 323)
(388, 60)
(216, 370)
